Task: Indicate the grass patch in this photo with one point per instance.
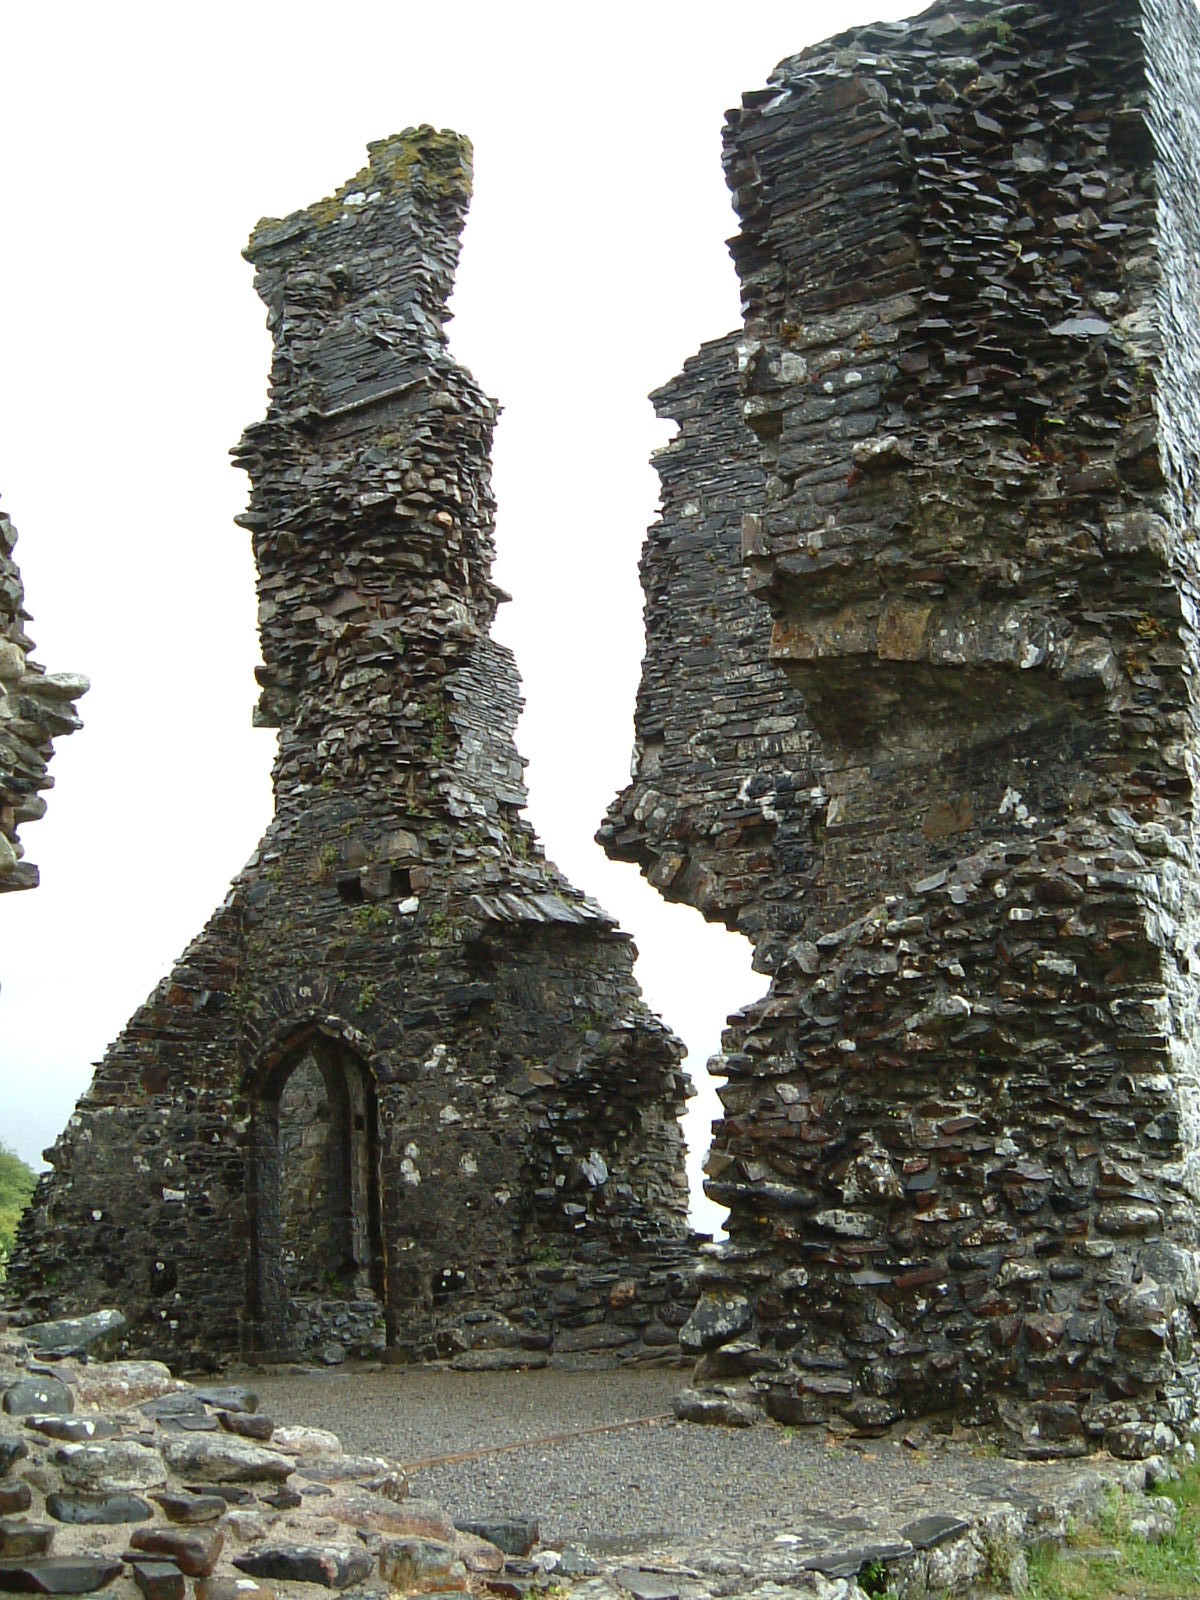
(1108, 1562)
(16, 1185)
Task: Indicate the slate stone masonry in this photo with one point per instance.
(961, 1133)
(36, 707)
(403, 1024)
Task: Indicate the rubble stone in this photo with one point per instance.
(405, 1072)
(919, 717)
(36, 707)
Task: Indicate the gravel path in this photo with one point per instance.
(637, 1489)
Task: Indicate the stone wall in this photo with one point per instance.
(961, 1134)
(501, 1147)
(36, 707)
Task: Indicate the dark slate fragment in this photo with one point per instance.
(247, 1425)
(97, 1510)
(285, 1499)
(59, 1575)
(159, 1580)
(516, 1536)
(75, 1430)
(714, 1406)
(232, 1494)
(926, 1532)
(12, 1449)
(173, 1405)
(334, 1567)
(849, 1563)
(715, 1319)
(15, 1497)
(194, 1552)
(229, 1397)
(190, 1509)
(29, 1395)
(72, 1336)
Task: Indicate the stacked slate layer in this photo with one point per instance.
(498, 1155)
(36, 707)
(726, 790)
(961, 1133)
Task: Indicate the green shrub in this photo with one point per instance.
(16, 1185)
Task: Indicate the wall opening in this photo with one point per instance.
(313, 1190)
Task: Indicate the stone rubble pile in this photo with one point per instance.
(36, 707)
(115, 1475)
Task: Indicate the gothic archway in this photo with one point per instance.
(313, 1186)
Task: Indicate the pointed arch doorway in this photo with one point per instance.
(313, 1189)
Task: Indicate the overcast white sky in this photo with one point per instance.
(140, 145)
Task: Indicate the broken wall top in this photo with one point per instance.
(36, 707)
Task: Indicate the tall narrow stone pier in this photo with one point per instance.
(961, 1133)
(36, 707)
(404, 1075)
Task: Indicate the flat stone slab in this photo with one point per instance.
(247, 1425)
(74, 1430)
(113, 1385)
(98, 1510)
(110, 1465)
(227, 1396)
(516, 1536)
(848, 1563)
(184, 1404)
(59, 1575)
(72, 1336)
(499, 1360)
(193, 1550)
(190, 1509)
(407, 1518)
(220, 1458)
(417, 1565)
(31, 1395)
(332, 1566)
(20, 1539)
(712, 1407)
(159, 1580)
(928, 1532)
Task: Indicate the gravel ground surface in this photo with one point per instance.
(642, 1488)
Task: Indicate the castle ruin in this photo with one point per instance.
(937, 755)
(404, 1077)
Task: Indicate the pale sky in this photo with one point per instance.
(141, 144)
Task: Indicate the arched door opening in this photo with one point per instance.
(315, 1225)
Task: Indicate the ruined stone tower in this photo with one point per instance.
(947, 778)
(405, 1070)
(36, 707)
